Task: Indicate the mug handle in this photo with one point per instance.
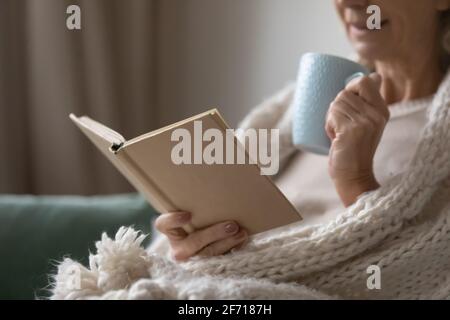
(354, 76)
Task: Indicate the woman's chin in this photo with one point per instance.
(370, 51)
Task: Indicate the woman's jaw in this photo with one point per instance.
(370, 44)
(404, 29)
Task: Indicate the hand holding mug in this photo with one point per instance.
(321, 77)
(355, 123)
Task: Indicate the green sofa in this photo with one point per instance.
(37, 232)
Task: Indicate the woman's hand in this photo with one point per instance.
(355, 125)
(212, 241)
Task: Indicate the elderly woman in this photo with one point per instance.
(374, 124)
(379, 205)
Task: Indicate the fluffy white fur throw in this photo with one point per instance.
(403, 228)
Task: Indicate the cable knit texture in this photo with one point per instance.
(403, 227)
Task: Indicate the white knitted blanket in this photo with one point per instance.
(403, 228)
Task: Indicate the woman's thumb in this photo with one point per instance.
(376, 77)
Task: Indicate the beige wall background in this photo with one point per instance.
(234, 53)
(137, 65)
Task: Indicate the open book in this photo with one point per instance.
(211, 192)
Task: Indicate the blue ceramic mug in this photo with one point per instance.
(321, 77)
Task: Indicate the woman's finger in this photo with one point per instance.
(200, 239)
(171, 224)
(368, 88)
(377, 79)
(223, 246)
(336, 119)
(345, 109)
(361, 108)
(352, 100)
(381, 106)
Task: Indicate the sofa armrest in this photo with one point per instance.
(36, 232)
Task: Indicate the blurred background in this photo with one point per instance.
(137, 65)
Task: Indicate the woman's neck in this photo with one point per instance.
(412, 77)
